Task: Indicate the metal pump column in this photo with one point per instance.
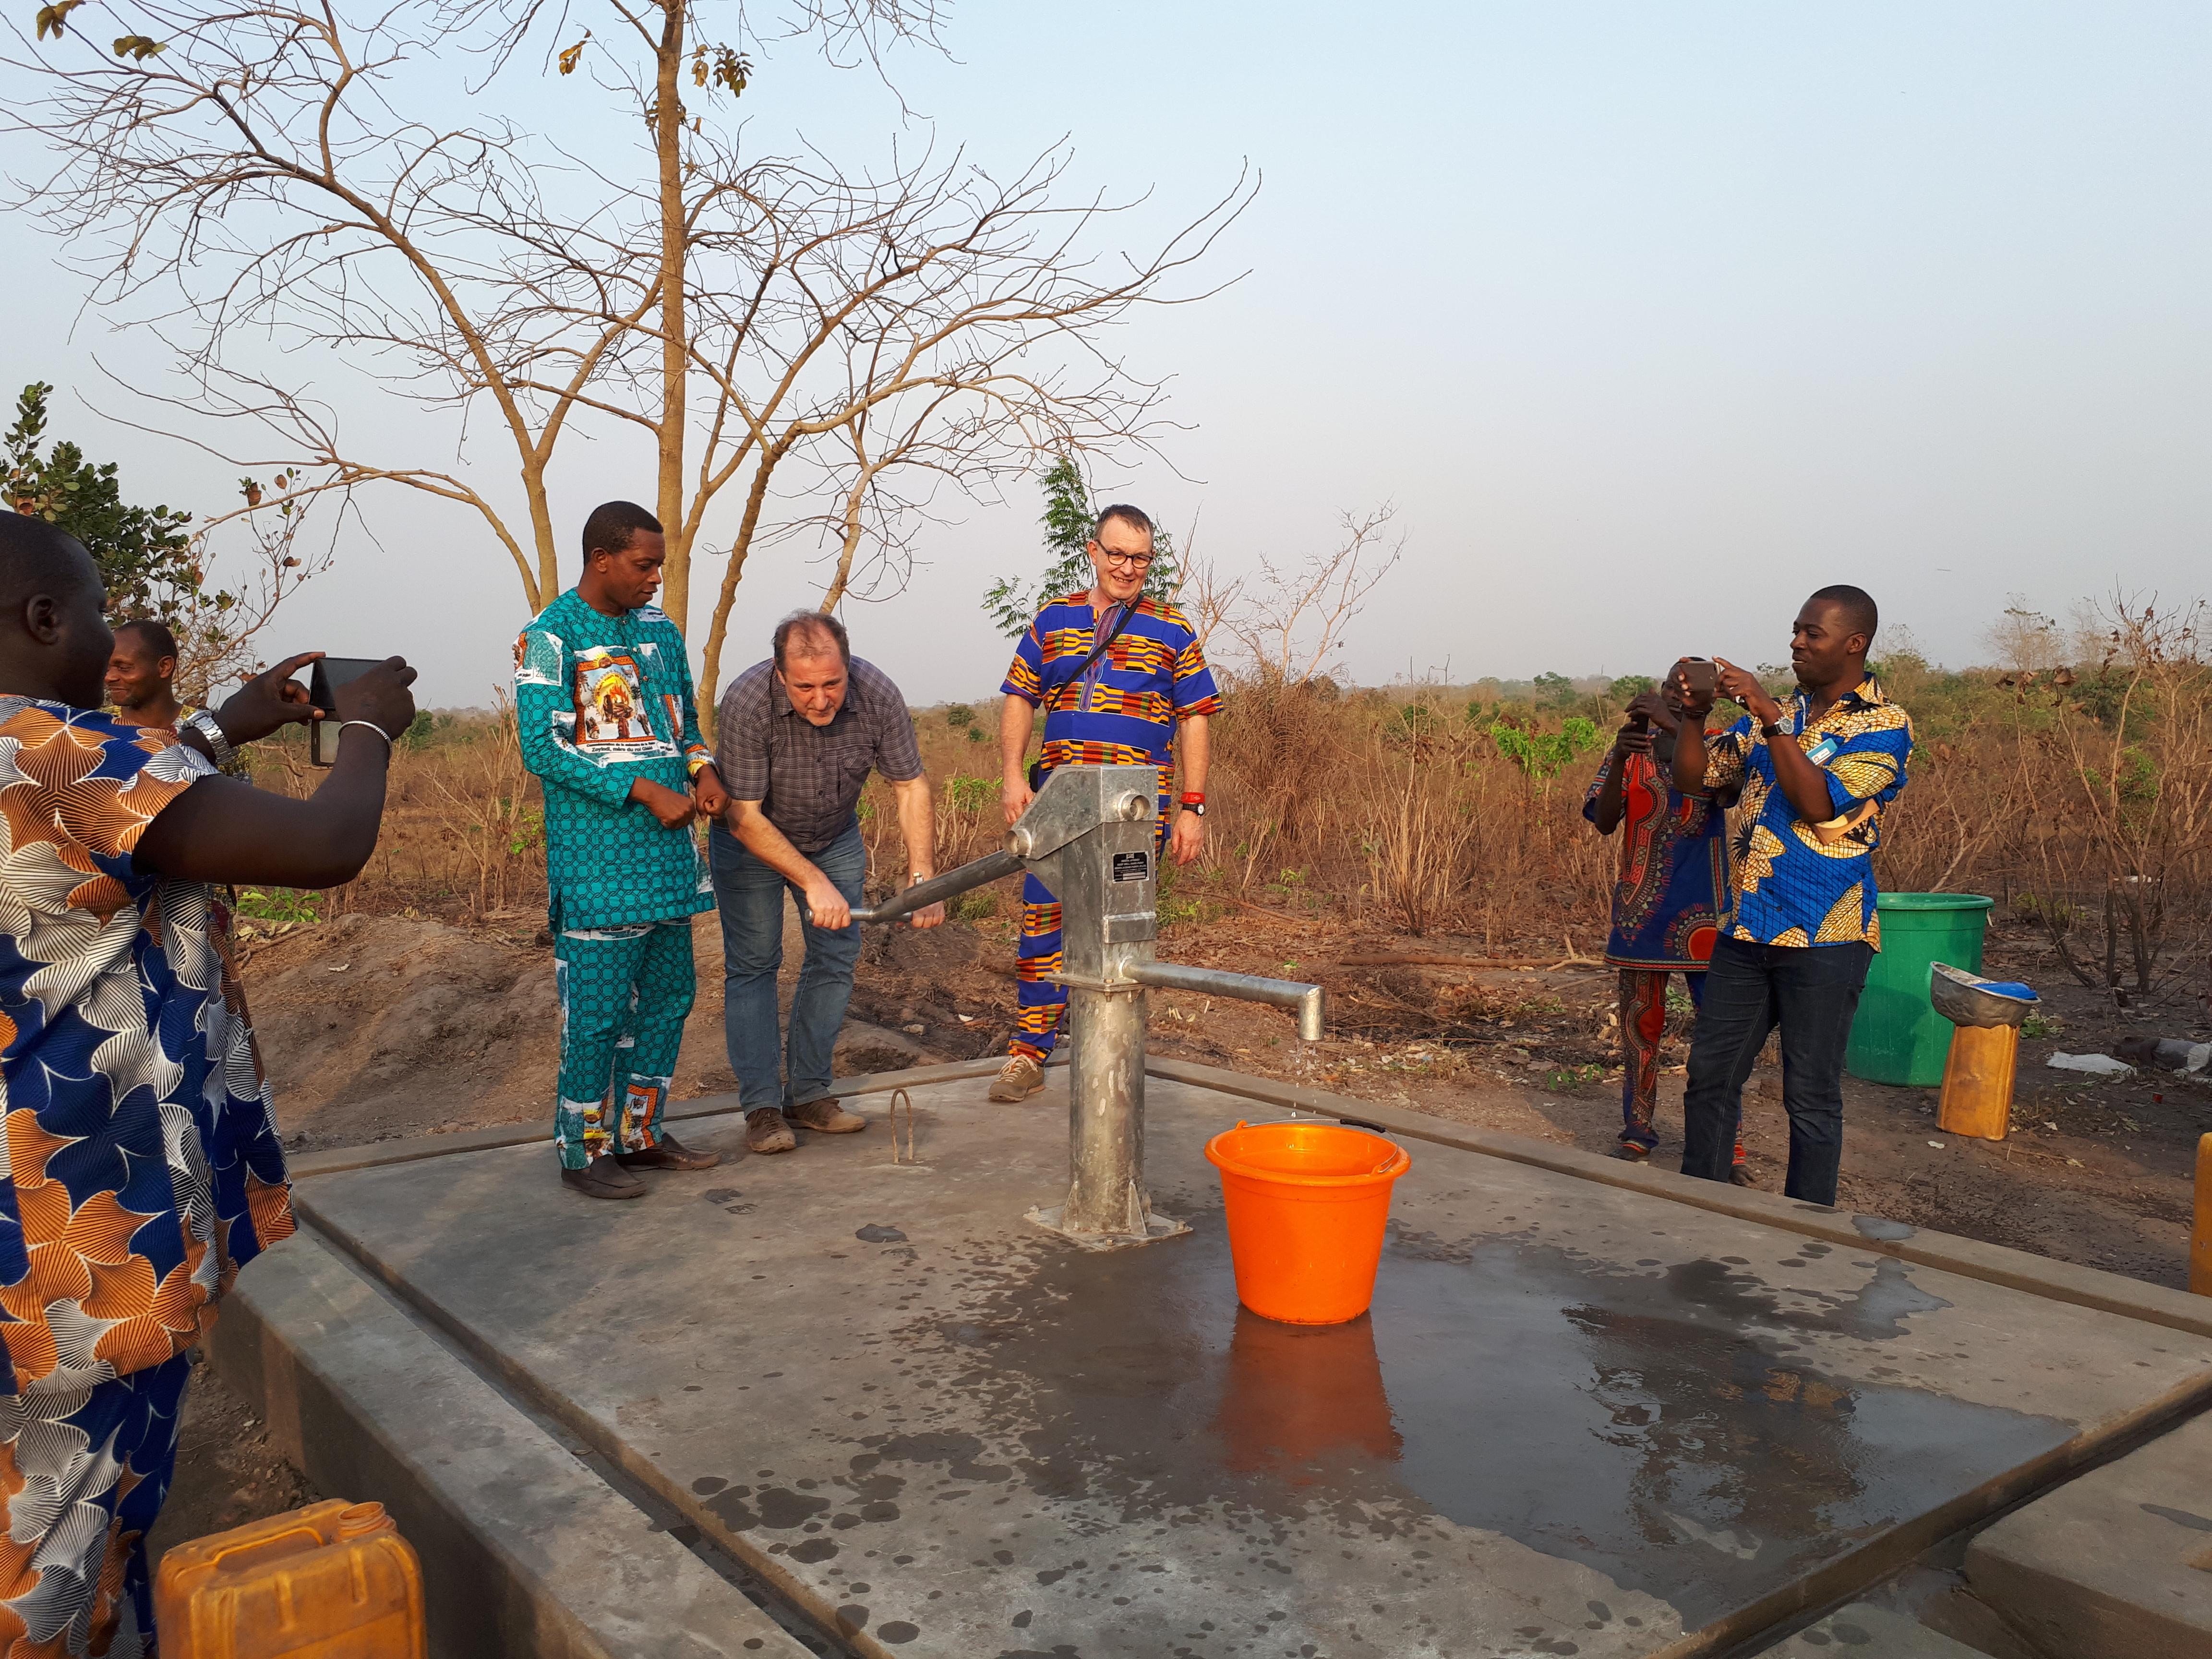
(1089, 836)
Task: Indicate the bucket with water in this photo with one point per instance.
(1307, 1203)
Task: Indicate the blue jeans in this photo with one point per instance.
(1811, 992)
(751, 896)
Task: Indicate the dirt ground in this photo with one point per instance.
(377, 1028)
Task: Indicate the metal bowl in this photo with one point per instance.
(1965, 999)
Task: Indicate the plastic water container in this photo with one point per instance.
(1896, 1036)
(333, 1581)
(1307, 1204)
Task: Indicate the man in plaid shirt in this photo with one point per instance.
(796, 736)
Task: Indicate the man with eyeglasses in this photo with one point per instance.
(1118, 674)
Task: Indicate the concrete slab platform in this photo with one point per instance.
(526, 1553)
(1581, 1418)
(1862, 1630)
(2116, 1561)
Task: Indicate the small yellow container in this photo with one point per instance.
(333, 1581)
(1977, 1079)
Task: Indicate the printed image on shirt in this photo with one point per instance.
(612, 715)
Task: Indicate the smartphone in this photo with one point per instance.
(329, 674)
(1700, 673)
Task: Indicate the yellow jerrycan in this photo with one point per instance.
(332, 1581)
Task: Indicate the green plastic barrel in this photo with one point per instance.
(1897, 1037)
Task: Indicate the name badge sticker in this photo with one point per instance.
(1823, 752)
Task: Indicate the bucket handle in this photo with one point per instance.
(1323, 1118)
(1395, 1153)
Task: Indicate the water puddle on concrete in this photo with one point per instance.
(1659, 1423)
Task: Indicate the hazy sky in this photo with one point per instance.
(1650, 319)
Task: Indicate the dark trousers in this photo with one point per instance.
(1811, 992)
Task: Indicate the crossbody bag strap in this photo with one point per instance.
(1106, 644)
(1036, 766)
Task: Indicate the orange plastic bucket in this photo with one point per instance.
(1307, 1203)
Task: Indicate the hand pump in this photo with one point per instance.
(1089, 835)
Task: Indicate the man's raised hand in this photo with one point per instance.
(1741, 685)
(1655, 708)
(1696, 702)
(271, 699)
(379, 696)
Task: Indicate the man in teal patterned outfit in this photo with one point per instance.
(603, 698)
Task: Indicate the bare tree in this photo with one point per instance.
(798, 330)
(1291, 621)
(2022, 639)
(217, 626)
(2140, 756)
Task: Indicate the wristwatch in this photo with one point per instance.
(204, 723)
(1193, 803)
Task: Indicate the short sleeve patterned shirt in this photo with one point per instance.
(1122, 709)
(1797, 882)
(142, 1166)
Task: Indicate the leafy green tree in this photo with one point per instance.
(144, 554)
(152, 564)
(1541, 754)
(1011, 603)
(1631, 686)
(1556, 691)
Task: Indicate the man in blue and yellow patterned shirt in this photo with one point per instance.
(604, 706)
(1801, 926)
(1119, 675)
(143, 1167)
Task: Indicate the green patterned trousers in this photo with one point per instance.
(624, 993)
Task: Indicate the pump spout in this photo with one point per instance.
(1303, 998)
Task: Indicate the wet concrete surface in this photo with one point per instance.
(1577, 1419)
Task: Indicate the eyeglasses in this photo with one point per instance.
(1127, 561)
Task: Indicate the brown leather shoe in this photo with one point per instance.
(826, 1117)
(602, 1178)
(670, 1154)
(1018, 1079)
(767, 1132)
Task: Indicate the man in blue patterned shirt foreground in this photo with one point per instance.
(1801, 926)
(143, 1167)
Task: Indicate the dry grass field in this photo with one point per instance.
(2079, 796)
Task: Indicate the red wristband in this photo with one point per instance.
(1192, 797)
